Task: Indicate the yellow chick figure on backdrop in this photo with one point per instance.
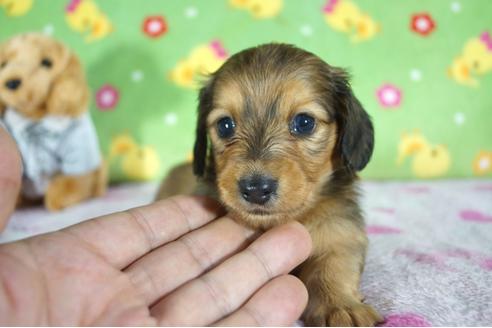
(428, 161)
(346, 17)
(475, 60)
(203, 59)
(138, 162)
(84, 16)
(141, 163)
(16, 7)
(482, 164)
(260, 9)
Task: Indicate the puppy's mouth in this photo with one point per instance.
(264, 211)
(268, 208)
(260, 212)
(262, 218)
(245, 209)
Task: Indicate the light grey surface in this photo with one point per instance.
(33, 221)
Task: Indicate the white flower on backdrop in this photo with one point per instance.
(306, 30)
(48, 29)
(459, 118)
(137, 75)
(455, 6)
(415, 75)
(191, 12)
(170, 119)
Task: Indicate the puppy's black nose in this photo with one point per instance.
(13, 84)
(257, 189)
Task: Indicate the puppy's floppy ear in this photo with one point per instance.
(69, 93)
(205, 103)
(2, 108)
(356, 131)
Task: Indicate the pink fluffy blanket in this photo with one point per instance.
(430, 255)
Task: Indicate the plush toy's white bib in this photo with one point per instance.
(52, 145)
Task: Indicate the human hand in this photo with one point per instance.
(10, 176)
(168, 263)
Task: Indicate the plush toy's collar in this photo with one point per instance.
(19, 122)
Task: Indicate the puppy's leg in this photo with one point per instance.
(64, 191)
(332, 281)
(179, 181)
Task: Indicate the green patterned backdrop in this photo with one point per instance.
(423, 70)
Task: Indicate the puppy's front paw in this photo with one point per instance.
(354, 313)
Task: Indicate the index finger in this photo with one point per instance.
(225, 288)
(121, 238)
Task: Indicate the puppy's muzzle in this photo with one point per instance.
(257, 189)
(13, 84)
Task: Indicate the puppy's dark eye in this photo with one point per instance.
(302, 124)
(3, 64)
(46, 63)
(225, 127)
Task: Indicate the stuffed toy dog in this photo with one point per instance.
(44, 106)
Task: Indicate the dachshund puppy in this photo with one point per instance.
(280, 137)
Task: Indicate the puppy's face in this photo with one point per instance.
(29, 65)
(278, 119)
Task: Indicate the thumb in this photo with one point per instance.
(10, 176)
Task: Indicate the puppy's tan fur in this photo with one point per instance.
(59, 90)
(262, 89)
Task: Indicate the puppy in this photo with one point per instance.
(280, 136)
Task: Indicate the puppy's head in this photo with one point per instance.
(280, 122)
(40, 76)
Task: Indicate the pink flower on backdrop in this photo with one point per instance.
(389, 95)
(405, 320)
(107, 97)
(154, 26)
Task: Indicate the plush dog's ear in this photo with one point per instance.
(205, 103)
(69, 95)
(356, 131)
